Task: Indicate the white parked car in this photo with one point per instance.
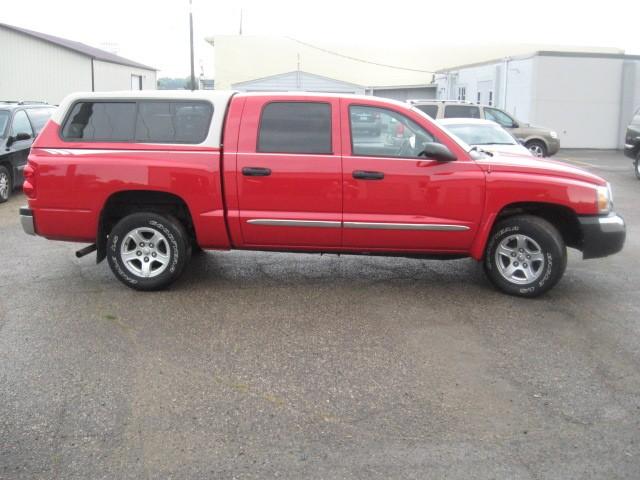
(484, 134)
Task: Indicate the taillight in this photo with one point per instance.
(29, 184)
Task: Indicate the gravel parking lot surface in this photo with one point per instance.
(267, 365)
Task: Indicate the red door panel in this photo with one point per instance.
(288, 200)
(419, 204)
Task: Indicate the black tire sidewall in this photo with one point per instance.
(175, 235)
(551, 244)
(636, 166)
(4, 169)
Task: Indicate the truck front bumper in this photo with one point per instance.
(602, 235)
(26, 219)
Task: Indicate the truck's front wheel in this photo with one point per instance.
(147, 251)
(525, 256)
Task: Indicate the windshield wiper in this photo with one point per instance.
(482, 150)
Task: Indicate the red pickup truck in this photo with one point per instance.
(146, 177)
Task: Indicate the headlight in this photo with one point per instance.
(553, 135)
(604, 199)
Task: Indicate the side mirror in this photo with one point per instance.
(17, 138)
(22, 136)
(515, 125)
(437, 151)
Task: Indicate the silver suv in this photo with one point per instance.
(541, 142)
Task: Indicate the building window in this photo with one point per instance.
(295, 127)
(136, 82)
(490, 97)
(462, 93)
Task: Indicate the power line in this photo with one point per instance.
(355, 59)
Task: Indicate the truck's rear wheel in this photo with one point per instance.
(525, 256)
(147, 251)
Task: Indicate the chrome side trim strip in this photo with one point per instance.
(405, 226)
(295, 223)
(358, 225)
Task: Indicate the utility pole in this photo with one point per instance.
(193, 73)
(240, 21)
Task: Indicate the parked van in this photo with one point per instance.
(541, 142)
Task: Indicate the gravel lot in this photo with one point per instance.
(266, 365)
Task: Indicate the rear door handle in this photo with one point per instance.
(366, 175)
(256, 172)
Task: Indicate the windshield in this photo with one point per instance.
(482, 134)
(4, 119)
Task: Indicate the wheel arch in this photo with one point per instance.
(560, 216)
(537, 138)
(122, 203)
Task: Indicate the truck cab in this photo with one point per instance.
(146, 177)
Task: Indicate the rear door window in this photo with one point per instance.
(145, 121)
(21, 124)
(431, 110)
(295, 127)
(499, 117)
(39, 117)
(461, 111)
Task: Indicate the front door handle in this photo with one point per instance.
(256, 172)
(367, 175)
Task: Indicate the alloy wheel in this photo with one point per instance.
(145, 252)
(519, 259)
(4, 186)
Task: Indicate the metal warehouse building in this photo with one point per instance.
(588, 98)
(37, 66)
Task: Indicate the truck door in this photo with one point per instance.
(395, 199)
(288, 173)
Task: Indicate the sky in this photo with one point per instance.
(156, 32)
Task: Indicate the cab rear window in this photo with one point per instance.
(145, 121)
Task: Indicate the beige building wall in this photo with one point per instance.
(243, 58)
(112, 76)
(24, 59)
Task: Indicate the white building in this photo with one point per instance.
(588, 98)
(37, 66)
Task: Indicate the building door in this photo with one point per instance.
(485, 92)
(136, 82)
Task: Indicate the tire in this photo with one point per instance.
(636, 166)
(6, 185)
(537, 148)
(163, 247)
(525, 256)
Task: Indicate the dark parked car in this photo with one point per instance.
(20, 123)
(632, 142)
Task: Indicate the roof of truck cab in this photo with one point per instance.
(219, 98)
